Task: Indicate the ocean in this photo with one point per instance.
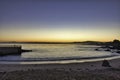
(57, 53)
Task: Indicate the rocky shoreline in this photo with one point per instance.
(113, 46)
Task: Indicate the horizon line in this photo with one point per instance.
(50, 41)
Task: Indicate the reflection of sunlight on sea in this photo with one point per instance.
(64, 50)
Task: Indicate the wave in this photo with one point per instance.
(57, 59)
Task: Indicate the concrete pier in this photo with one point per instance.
(10, 50)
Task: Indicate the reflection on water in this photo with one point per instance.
(57, 52)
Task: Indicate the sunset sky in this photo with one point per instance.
(59, 21)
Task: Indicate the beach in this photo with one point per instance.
(59, 40)
(71, 71)
(60, 62)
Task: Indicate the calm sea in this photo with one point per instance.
(57, 53)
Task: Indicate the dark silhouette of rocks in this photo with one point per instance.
(106, 64)
(113, 46)
(118, 52)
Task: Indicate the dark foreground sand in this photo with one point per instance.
(73, 71)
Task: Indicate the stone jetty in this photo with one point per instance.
(10, 50)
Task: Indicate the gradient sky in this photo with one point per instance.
(59, 21)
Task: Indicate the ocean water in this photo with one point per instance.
(60, 53)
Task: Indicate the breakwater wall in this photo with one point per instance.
(9, 50)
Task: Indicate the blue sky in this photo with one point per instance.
(65, 17)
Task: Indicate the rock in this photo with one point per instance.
(106, 63)
(118, 52)
(97, 50)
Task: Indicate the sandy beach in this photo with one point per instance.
(71, 71)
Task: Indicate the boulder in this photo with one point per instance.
(106, 63)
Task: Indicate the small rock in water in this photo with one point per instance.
(97, 49)
(118, 52)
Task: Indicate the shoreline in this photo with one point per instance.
(59, 58)
(60, 61)
(115, 63)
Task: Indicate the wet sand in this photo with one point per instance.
(71, 71)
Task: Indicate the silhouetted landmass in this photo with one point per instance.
(40, 42)
(83, 42)
(90, 43)
(115, 44)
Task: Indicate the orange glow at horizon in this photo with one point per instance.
(59, 34)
